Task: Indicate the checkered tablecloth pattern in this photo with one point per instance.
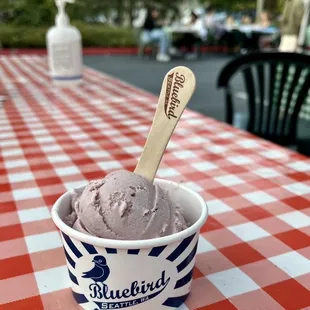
(254, 250)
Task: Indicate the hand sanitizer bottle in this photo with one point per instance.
(64, 49)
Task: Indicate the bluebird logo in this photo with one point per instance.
(100, 272)
(137, 293)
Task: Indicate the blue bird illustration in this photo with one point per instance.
(100, 272)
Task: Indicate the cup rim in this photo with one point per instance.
(133, 244)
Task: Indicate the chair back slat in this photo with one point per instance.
(250, 87)
(301, 99)
(291, 90)
(272, 76)
(282, 78)
(261, 88)
(276, 92)
(230, 106)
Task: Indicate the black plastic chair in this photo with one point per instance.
(277, 85)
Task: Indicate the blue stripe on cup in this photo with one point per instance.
(133, 252)
(72, 247)
(111, 251)
(186, 279)
(89, 248)
(69, 259)
(80, 298)
(181, 248)
(73, 277)
(188, 259)
(155, 252)
(175, 302)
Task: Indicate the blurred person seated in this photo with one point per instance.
(246, 20)
(222, 22)
(232, 36)
(152, 31)
(214, 22)
(265, 20)
(230, 22)
(189, 40)
(267, 41)
(210, 20)
(248, 42)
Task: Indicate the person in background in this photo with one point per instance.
(267, 41)
(230, 21)
(246, 20)
(210, 21)
(232, 37)
(152, 31)
(189, 40)
(245, 37)
(291, 21)
(265, 20)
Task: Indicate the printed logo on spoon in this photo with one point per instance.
(175, 82)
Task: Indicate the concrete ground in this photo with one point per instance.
(148, 75)
(208, 100)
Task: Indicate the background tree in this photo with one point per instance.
(121, 12)
(24, 12)
(42, 12)
(233, 5)
(274, 7)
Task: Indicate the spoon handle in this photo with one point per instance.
(177, 89)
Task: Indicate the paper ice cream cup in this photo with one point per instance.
(140, 274)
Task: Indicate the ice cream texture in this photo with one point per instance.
(125, 206)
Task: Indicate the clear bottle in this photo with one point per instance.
(64, 46)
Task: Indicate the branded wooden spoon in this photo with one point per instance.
(177, 89)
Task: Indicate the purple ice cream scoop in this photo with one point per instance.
(125, 206)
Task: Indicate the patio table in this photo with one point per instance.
(180, 29)
(253, 251)
(249, 29)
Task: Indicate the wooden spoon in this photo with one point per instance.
(177, 89)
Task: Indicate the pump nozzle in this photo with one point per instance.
(63, 2)
(62, 19)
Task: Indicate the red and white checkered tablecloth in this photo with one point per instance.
(254, 250)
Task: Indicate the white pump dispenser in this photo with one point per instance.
(64, 49)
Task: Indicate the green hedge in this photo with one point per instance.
(93, 35)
